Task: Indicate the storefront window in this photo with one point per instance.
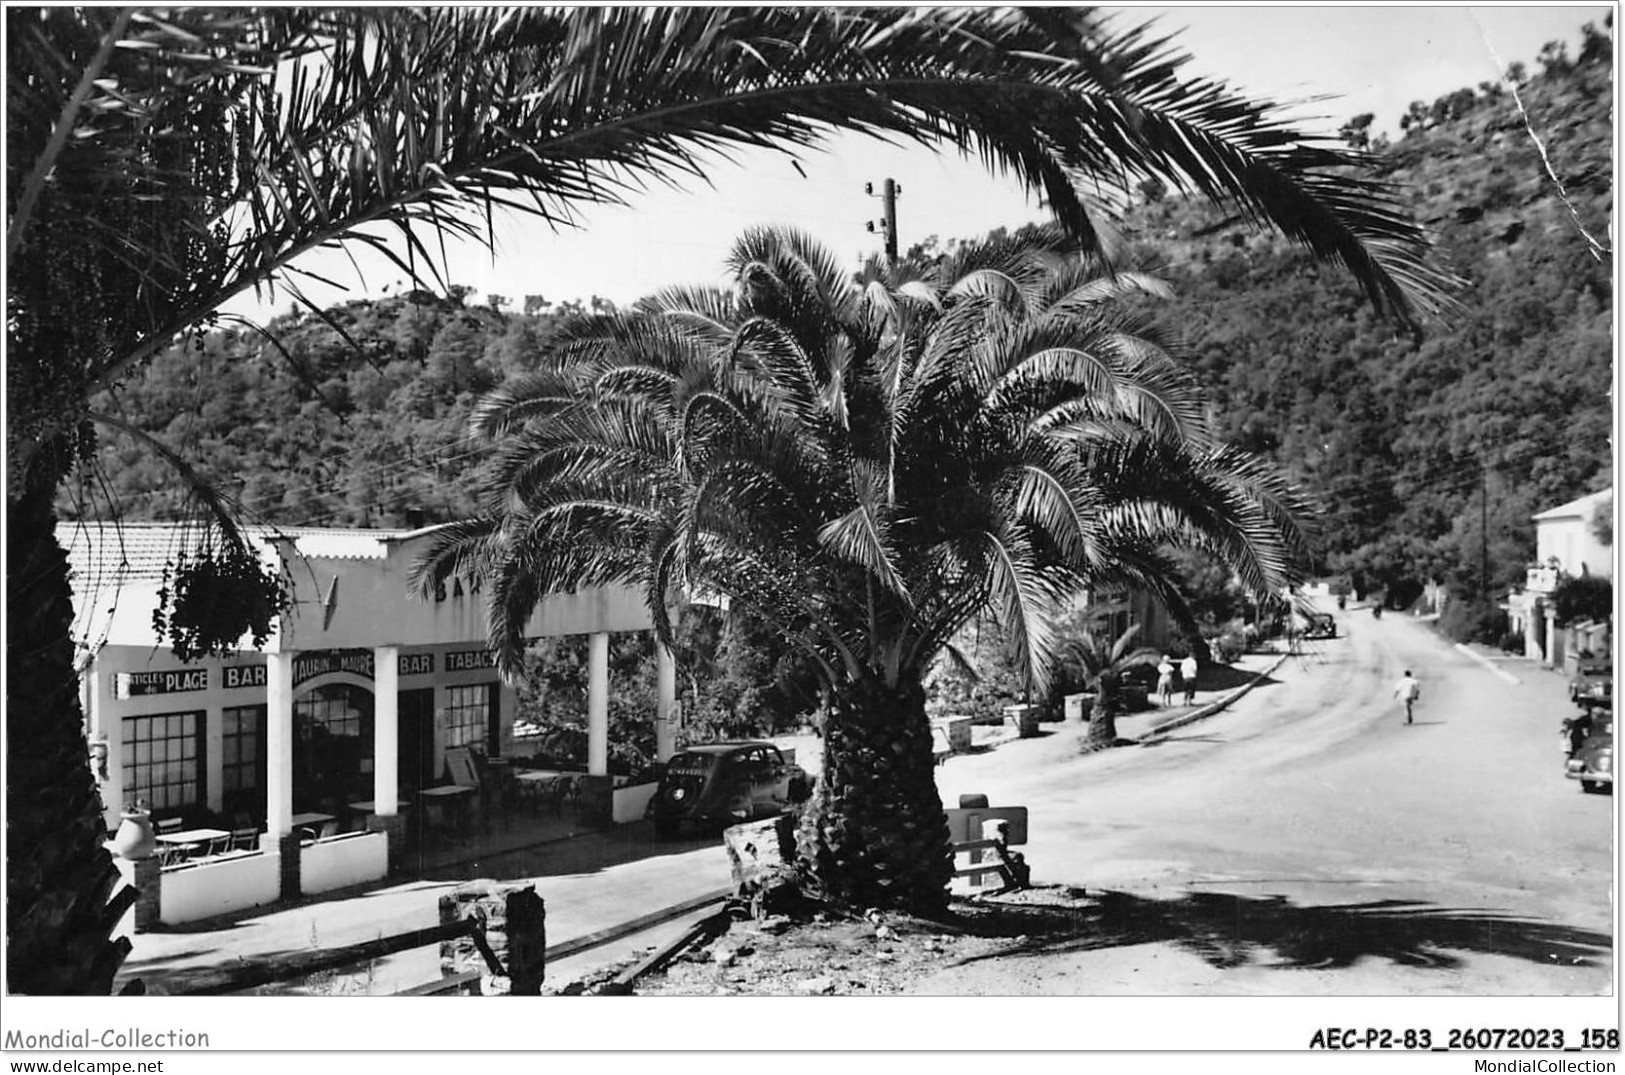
(242, 756)
(332, 746)
(468, 715)
(163, 760)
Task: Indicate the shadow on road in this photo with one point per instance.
(1222, 677)
(1228, 931)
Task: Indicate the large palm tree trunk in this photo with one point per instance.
(1103, 714)
(874, 833)
(60, 912)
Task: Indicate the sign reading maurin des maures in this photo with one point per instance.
(357, 662)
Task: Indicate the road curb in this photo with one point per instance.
(1487, 663)
(1161, 731)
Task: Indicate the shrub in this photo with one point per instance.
(1472, 621)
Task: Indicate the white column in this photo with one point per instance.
(598, 704)
(386, 729)
(665, 703)
(278, 745)
(109, 722)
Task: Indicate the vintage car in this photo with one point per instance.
(720, 784)
(1593, 683)
(1319, 625)
(1593, 763)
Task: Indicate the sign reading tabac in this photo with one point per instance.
(470, 660)
(357, 662)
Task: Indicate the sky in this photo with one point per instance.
(1367, 58)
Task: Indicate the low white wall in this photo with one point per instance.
(343, 861)
(215, 888)
(629, 802)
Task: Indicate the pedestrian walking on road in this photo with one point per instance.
(1165, 681)
(1408, 692)
(1187, 672)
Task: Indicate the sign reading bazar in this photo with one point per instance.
(357, 662)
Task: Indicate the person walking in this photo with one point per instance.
(1187, 673)
(1408, 692)
(1165, 681)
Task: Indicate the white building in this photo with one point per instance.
(1566, 546)
(349, 709)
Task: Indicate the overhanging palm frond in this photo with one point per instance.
(432, 120)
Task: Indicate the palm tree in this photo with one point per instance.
(162, 162)
(866, 464)
(1099, 663)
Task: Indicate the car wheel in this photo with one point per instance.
(1589, 787)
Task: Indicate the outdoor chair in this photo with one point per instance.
(246, 838)
(566, 789)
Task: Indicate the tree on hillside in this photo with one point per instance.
(867, 465)
(157, 167)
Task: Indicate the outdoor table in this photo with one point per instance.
(538, 784)
(368, 806)
(192, 837)
(537, 776)
(188, 841)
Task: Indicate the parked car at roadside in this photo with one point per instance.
(1320, 625)
(1593, 764)
(1593, 682)
(719, 784)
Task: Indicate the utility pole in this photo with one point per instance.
(888, 224)
(1484, 531)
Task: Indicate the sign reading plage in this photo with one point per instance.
(357, 662)
(135, 684)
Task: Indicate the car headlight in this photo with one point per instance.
(677, 795)
(1605, 762)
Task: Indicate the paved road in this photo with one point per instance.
(1310, 826)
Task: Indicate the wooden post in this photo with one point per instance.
(493, 903)
(527, 942)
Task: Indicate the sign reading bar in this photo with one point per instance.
(244, 675)
(470, 660)
(322, 662)
(416, 664)
(134, 684)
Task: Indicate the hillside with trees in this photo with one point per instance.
(1413, 444)
(357, 416)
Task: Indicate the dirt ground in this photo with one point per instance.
(879, 954)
